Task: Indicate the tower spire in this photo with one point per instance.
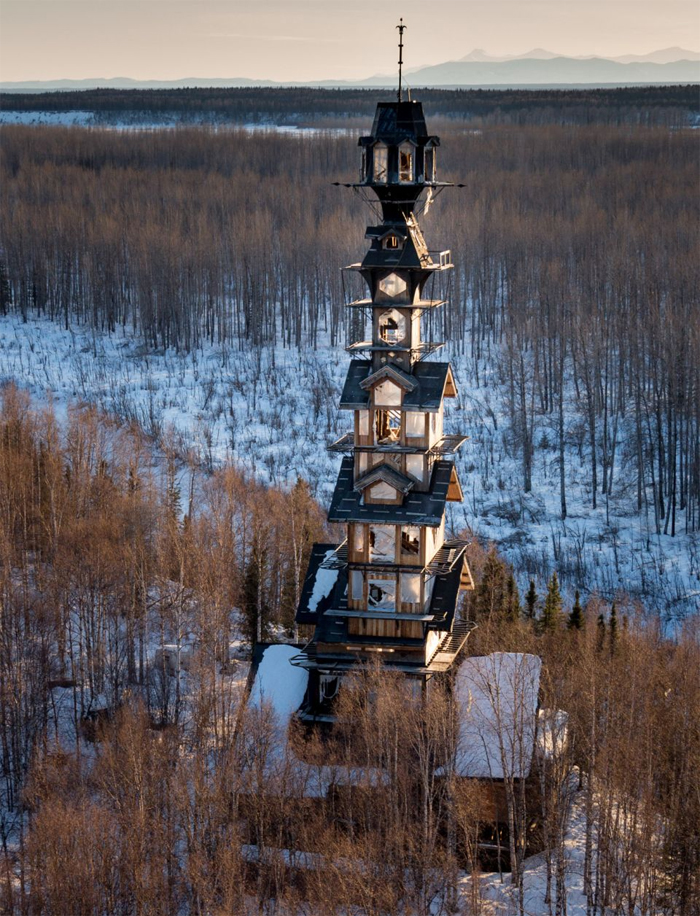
(400, 27)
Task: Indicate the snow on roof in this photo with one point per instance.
(497, 696)
(279, 683)
(323, 583)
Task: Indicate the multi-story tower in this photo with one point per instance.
(391, 588)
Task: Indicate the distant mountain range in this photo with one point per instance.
(538, 67)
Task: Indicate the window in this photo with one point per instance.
(387, 394)
(358, 538)
(392, 327)
(382, 594)
(392, 242)
(410, 541)
(388, 426)
(381, 162)
(410, 588)
(362, 462)
(363, 422)
(430, 163)
(415, 424)
(393, 285)
(405, 162)
(382, 544)
(357, 583)
(415, 466)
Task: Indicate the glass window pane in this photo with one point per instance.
(415, 466)
(415, 424)
(406, 163)
(410, 588)
(410, 540)
(393, 285)
(382, 540)
(356, 585)
(380, 164)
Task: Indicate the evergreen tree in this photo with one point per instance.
(512, 605)
(491, 593)
(551, 613)
(531, 601)
(576, 619)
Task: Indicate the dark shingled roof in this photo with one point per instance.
(417, 508)
(427, 395)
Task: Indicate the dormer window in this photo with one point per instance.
(380, 163)
(406, 163)
(392, 242)
(392, 327)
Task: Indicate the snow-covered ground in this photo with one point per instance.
(273, 410)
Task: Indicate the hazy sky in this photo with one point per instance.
(300, 40)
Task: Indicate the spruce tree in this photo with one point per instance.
(576, 619)
(512, 604)
(531, 601)
(491, 593)
(552, 605)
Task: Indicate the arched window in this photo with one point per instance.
(380, 163)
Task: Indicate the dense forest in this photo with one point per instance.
(576, 275)
(649, 105)
(127, 787)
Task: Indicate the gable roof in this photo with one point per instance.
(418, 508)
(402, 379)
(431, 380)
(389, 475)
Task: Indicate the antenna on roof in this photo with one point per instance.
(400, 27)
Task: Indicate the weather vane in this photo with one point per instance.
(400, 27)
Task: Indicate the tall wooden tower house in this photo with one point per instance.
(391, 588)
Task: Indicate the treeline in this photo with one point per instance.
(577, 277)
(648, 105)
(179, 799)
